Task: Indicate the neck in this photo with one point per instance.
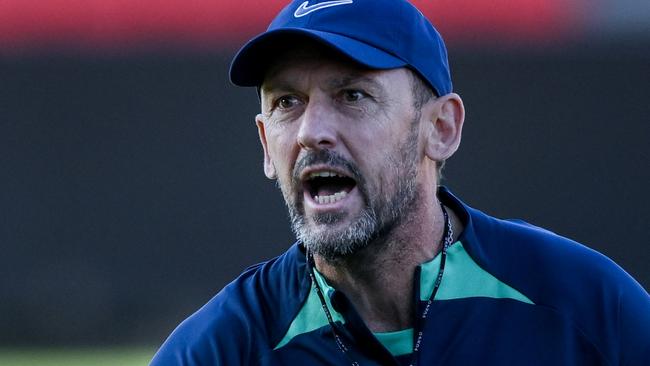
(378, 280)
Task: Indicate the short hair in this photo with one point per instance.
(422, 93)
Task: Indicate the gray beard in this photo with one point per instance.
(335, 244)
(376, 220)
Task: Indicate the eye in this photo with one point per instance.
(287, 102)
(353, 95)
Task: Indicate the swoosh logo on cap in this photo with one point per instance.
(305, 8)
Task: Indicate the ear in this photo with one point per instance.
(445, 117)
(269, 167)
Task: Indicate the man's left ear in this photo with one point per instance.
(445, 116)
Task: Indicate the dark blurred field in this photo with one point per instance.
(75, 357)
(132, 187)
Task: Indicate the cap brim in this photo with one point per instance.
(250, 64)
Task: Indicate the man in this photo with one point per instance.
(357, 119)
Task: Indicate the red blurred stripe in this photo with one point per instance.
(126, 23)
(505, 20)
(207, 23)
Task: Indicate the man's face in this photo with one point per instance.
(343, 143)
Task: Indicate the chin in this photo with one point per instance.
(335, 242)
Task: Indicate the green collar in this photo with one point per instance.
(463, 278)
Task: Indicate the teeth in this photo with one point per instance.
(331, 198)
(323, 174)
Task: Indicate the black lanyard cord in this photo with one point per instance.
(448, 237)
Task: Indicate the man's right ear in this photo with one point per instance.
(269, 167)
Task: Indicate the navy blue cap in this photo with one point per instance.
(379, 34)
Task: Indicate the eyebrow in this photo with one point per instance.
(275, 84)
(351, 79)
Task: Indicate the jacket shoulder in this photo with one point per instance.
(585, 287)
(244, 320)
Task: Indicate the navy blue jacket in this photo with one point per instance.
(511, 294)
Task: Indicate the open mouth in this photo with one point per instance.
(326, 186)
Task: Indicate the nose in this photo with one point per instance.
(317, 127)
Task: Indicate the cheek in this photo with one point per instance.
(282, 151)
(381, 160)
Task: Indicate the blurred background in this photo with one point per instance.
(131, 188)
